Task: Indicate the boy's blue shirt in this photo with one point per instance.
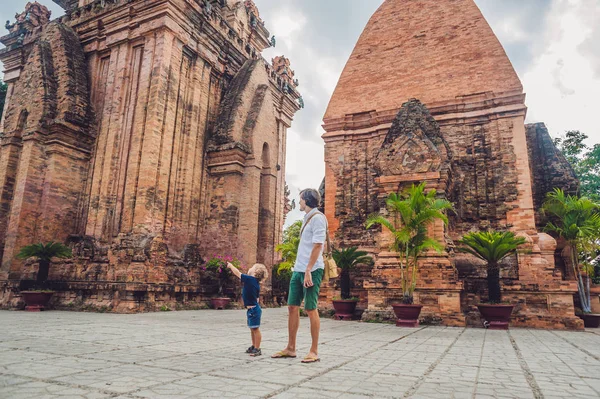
(250, 290)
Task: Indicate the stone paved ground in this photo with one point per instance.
(201, 354)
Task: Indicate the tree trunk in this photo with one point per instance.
(345, 283)
(584, 295)
(493, 278)
(44, 269)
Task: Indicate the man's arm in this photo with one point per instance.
(314, 256)
(318, 240)
(234, 270)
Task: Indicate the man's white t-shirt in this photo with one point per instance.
(314, 233)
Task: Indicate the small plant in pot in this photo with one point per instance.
(37, 299)
(217, 272)
(492, 247)
(577, 221)
(410, 215)
(347, 259)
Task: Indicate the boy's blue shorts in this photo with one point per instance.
(253, 315)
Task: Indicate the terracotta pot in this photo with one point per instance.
(590, 320)
(36, 301)
(220, 303)
(344, 309)
(495, 317)
(407, 315)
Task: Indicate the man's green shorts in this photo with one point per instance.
(298, 292)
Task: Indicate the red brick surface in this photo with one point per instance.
(427, 49)
(154, 139)
(465, 137)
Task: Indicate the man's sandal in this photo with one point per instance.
(281, 355)
(311, 359)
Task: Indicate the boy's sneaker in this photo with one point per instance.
(250, 349)
(256, 352)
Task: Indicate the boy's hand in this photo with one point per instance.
(234, 270)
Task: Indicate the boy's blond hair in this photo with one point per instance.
(260, 272)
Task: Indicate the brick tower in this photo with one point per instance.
(148, 135)
(429, 95)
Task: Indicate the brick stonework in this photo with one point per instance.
(148, 135)
(466, 138)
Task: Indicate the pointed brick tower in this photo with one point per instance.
(444, 54)
(427, 49)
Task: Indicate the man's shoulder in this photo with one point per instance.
(320, 218)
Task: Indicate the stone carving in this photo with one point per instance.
(253, 14)
(413, 143)
(281, 65)
(35, 15)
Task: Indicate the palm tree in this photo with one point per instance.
(410, 215)
(577, 221)
(45, 253)
(492, 247)
(347, 259)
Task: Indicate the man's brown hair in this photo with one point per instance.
(311, 197)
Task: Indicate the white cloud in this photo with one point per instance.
(561, 84)
(288, 23)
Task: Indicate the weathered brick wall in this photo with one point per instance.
(243, 169)
(549, 168)
(46, 145)
(148, 200)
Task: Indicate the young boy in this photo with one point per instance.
(250, 291)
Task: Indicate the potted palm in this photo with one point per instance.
(217, 272)
(347, 259)
(492, 247)
(36, 300)
(577, 221)
(410, 215)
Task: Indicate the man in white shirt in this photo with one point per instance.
(307, 276)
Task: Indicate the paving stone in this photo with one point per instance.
(146, 356)
(124, 379)
(210, 386)
(49, 391)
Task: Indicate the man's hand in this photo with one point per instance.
(308, 279)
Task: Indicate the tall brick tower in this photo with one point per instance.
(146, 134)
(429, 95)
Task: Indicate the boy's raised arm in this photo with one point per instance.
(234, 270)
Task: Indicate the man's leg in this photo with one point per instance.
(311, 301)
(293, 325)
(315, 327)
(296, 294)
(253, 335)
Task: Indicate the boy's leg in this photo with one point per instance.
(257, 337)
(253, 335)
